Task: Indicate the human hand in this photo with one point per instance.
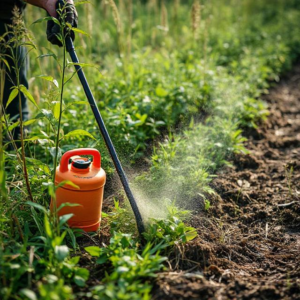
(60, 9)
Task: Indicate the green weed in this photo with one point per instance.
(129, 266)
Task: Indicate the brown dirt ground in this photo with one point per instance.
(249, 241)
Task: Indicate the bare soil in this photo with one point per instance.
(249, 240)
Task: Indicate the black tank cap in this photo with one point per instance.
(81, 163)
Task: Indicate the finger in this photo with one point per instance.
(70, 15)
(75, 24)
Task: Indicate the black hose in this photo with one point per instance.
(139, 221)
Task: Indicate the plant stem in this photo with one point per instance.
(10, 136)
(60, 115)
(22, 146)
(25, 172)
(3, 192)
(58, 136)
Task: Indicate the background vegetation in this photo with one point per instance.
(177, 82)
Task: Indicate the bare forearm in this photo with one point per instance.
(68, 14)
(48, 5)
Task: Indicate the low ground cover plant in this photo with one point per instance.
(187, 86)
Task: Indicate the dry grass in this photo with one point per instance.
(196, 18)
(164, 16)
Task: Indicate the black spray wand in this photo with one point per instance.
(71, 49)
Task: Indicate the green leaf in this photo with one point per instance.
(65, 218)
(82, 65)
(82, 272)
(80, 31)
(37, 206)
(160, 92)
(78, 102)
(28, 95)
(72, 237)
(37, 220)
(56, 110)
(51, 278)
(28, 44)
(68, 205)
(57, 241)
(6, 63)
(79, 281)
(77, 30)
(34, 138)
(26, 123)
(49, 78)
(12, 96)
(48, 55)
(13, 126)
(61, 252)
(47, 226)
(46, 19)
(191, 235)
(79, 132)
(102, 259)
(93, 250)
(29, 294)
(68, 182)
(74, 260)
(29, 122)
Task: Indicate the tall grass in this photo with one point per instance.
(151, 79)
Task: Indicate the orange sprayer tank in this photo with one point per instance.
(90, 178)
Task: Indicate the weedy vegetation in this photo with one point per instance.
(177, 83)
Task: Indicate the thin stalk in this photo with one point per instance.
(58, 135)
(207, 22)
(23, 147)
(24, 166)
(3, 192)
(130, 21)
(117, 20)
(10, 136)
(2, 113)
(60, 115)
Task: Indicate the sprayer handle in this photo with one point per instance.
(69, 44)
(64, 162)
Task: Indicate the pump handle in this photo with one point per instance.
(64, 162)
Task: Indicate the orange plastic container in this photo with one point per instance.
(90, 178)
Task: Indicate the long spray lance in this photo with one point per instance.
(71, 49)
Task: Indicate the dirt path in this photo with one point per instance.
(249, 241)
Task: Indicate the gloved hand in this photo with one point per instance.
(58, 9)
